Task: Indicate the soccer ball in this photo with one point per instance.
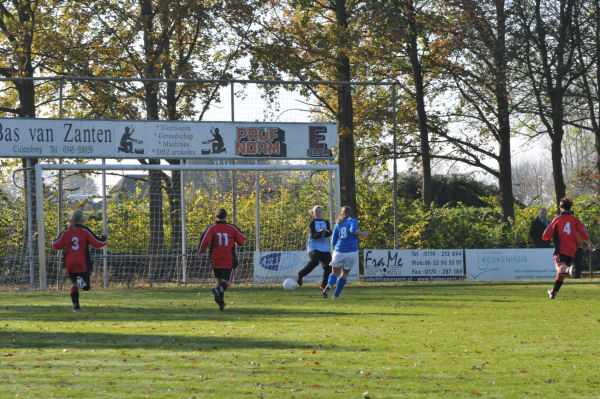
(289, 284)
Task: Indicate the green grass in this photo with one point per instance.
(451, 340)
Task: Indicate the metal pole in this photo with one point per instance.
(104, 229)
(338, 199)
(257, 210)
(395, 168)
(59, 272)
(40, 226)
(331, 194)
(28, 199)
(233, 172)
(183, 223)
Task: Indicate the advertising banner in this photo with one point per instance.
(413, 265)
(276, 266)
(77, 138)
(510, 264)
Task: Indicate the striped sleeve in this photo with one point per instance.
(95, 241)
(205, 240)
(59, 243)
(240, 237)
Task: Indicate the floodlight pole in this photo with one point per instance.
(395, 168)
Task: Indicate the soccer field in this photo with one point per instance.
(413, 340)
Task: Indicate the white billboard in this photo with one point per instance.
(510, 264)
(413, 265)
(80, 138)
(276, 266)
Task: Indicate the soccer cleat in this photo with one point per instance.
(218, 298)
(80, 282)
(336, 297)
(570, 271)
(326, 291)
(551, 294)
(75, 308)
(299, 280)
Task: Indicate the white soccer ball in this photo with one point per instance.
(289, 284)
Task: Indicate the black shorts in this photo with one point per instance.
(85, 276)
(224, 274)
(558, 258)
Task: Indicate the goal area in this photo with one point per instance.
(154, 216)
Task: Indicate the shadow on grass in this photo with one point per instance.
(53, 313)
(74, 340)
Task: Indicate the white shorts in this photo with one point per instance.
(347, 260)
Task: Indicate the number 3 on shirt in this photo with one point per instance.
(223, 237)
(567, 228)
(75, 245)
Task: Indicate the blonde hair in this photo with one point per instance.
(313, 211)
(77, 218)
(344, 214)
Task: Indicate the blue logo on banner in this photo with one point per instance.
(271, 261)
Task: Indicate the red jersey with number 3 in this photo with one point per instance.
(222, 237)
(567, 232)
(75, 242)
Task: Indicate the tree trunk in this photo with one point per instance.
(421, 113)
(559, 181)
(504, 158)
(345, 116)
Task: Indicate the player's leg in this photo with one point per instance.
(310, 266)
(561, 271)
(86, 281)
(336, 266)
(350, 260)
(74, 291)
(325, 259)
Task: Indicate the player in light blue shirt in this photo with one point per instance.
(317, 246)
(345, 251)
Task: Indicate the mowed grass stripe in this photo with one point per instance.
(465, 339)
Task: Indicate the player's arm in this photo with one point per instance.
(549, 232)
(94, 240)
(584, 236)
(336, 235)
(59, 243)
(314, 234)
(205, 241)
(327, 231)
(239, 237)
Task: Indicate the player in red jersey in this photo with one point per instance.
(75, 240)
(222, 238)
(568, 232)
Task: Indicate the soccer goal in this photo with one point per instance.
(154, 216)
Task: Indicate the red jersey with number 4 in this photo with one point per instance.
(222, 237)
(567, 232)
(75, 242)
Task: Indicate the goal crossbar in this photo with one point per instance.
(39, 168)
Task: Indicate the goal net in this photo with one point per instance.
(154, 216)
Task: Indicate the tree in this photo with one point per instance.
(314, 40)
(152, 40)
(479, 70)
(548, 52)
(405, 50)
(25, 45)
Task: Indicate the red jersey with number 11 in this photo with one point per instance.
(567, 231)
(221, 237)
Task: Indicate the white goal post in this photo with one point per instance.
(262, 189)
